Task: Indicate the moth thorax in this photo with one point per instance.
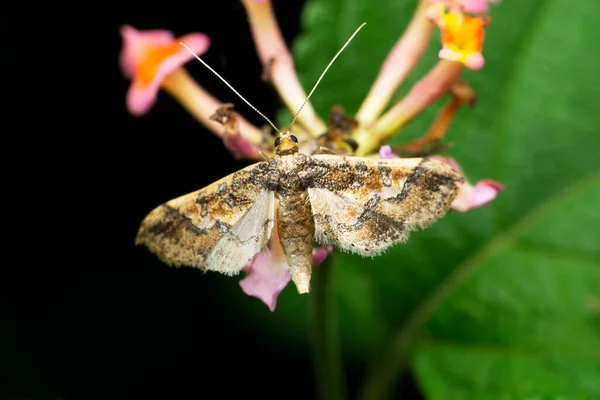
(286, 144)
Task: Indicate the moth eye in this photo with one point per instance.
(277, 141)
(294, 138)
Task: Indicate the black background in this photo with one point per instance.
(93, 316)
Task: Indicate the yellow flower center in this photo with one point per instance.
(462, 33)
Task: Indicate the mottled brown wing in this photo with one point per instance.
(365, 205)
(219, 228)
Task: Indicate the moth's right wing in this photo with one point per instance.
(220, 227)
(365, 205)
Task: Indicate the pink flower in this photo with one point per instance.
(266, 276)
(468, 6)
(385, 152)
(149, 57)
(268, 273)
(476, 196)
(470, 196)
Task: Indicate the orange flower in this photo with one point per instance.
(148, 58)
(462, 36)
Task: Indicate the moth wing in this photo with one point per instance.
(220, 227)
(365, 205)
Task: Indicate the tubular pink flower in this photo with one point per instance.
(401, 60)
(268, 273)
(277, 61)
(154, 59)
(431, 87)
(149, 57)
(470, 196)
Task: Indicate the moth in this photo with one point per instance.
(360, 205)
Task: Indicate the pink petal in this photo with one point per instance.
(319, 254)
(268, 274)
(485, 191)
(265, 279)
(475, 6)
(198, 42)
(385, 152)
(474, 61)
(482, 193)
(135, 44)
(141, 97)
(468, 6)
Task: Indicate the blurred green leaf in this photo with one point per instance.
(526, 322)
(501, 302)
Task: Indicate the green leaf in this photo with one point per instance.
(486, 373)
(500, 302)
(524, 325)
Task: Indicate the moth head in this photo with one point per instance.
(285, 144)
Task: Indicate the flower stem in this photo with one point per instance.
(401, 60)
(277, 61)
(327, 355)
(201, 104)
(436, 132)
(430, 88)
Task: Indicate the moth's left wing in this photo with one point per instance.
(365, 205)
(219, 228)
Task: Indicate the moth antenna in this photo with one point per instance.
(230, 87)
(324, 72)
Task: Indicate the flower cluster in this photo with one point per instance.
(154, 60)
